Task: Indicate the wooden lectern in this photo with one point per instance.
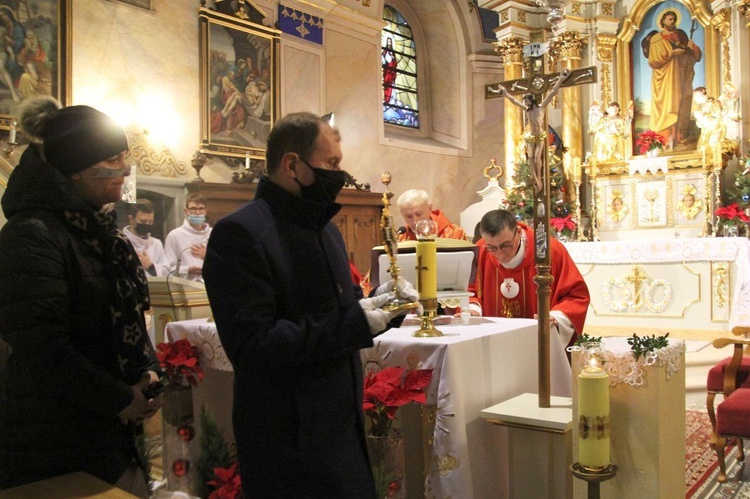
(175, 299)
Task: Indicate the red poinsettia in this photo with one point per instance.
(227, 482)
(566, 226)
(180, 361)
(387, 390)
(731, 215)
(649, 140)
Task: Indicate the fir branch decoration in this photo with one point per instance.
(586, 338)
(641, 346)
(215, 452)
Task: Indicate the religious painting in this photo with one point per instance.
(615, 208)
(689, 200)
(34, 53)
(652, 203)
(239, 85)
(668, 60)
(143, 4)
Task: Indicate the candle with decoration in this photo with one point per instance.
(426, 260)
(593, 410)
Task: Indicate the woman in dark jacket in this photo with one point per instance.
(72, 296)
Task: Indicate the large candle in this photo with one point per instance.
(593, 418)
(426, 269)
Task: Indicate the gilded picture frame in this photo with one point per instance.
(638, 33)
(239, 85)
(36, 54)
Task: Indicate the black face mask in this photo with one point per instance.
(142, 229)
(327, 185)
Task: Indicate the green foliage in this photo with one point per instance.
(586, 338)
(641, 346)
(215, 452)
(742, 181)
(520, 198)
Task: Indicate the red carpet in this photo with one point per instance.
(701, 466)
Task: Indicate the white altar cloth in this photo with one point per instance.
(475, 367)
(695, 259)
(648, 165)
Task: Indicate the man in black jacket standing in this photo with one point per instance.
(292, 323)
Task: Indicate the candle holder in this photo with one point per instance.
(390, 243)
(198, 161)
(593, 477)
(426, 231)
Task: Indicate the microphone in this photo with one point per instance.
(179, 256)
(401, 230)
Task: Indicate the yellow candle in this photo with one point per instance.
(427, 269)
(593, 418)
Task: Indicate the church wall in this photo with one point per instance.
(144, 66)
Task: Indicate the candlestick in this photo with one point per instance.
(247, 160)
(593, 418)
(426, 231)
(12, 134)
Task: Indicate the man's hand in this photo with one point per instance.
(145, 260)
(198, 251)
(377, 318)
(195, 271)
(140, 408)
(552, 320)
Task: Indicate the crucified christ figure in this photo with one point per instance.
(536, 144)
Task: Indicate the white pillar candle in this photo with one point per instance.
(593, 418)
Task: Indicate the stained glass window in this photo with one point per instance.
(399, 60)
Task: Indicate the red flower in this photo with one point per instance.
(180, 361)
(385, 391)
(565, 225)
(731, 214)
(227, 482)
(649, 140)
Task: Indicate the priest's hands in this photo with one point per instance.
(141, 408)
(552, 320)
(377, 318)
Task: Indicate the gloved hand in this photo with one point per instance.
(377, 318)
(404, 288)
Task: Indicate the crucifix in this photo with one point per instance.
(534, 102)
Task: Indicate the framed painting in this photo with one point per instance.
(35, 54)
(239, 85)
(667, 49)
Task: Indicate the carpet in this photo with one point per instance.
(701, 466)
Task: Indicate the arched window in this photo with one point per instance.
(399, 62)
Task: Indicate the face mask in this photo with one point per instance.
(327, 185)
(142, 229)
(196, 219)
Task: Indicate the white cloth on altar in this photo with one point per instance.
(178, 244)
(648, 165)
(202, 334)
(706, 249)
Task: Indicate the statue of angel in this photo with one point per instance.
(709, 117)
(610, 129)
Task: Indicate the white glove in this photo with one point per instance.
(377, 318)
(404, 288)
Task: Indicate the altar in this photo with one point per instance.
(666, 284)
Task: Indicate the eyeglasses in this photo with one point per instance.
(102, 172)
(196, 209)
(506, 247)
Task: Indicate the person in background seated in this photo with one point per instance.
(292, 323)
(72, 297)
(503, 285)
(187, 243)
(414, 206)
(149, 249)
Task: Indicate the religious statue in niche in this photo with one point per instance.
(610, 129)
(689, 205)
(617, 209)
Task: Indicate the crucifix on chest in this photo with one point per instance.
(537, 90)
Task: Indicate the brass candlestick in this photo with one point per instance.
(593, 477)
(427, 278)
(390, 243)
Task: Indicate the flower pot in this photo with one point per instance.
(177, 406)
(652, 153)
(388, 464)
(731, 231)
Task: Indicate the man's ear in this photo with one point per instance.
(289, 163)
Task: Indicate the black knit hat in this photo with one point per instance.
(78, 137)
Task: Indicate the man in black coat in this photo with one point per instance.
(292, 323)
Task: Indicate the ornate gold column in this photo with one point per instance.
(605, 46)
(511, 50)
(722, 23)
(568, 47)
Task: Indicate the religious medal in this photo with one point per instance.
(509, 288)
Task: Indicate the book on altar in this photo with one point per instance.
(456, 262)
